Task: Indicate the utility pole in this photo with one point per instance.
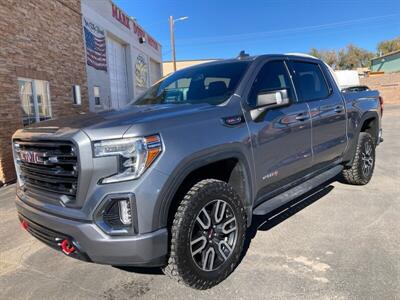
(172, 35)
(172, 32)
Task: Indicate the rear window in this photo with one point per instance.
(310, 83)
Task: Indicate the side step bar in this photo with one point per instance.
(296, 191)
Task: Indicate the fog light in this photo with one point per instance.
(125, 214)
(117, 215)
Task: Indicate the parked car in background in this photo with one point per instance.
(174, 179)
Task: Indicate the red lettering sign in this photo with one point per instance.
(120, 16)
(152, 42)
(142, 34)
(138, 31)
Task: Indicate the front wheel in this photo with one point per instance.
(363, 164)
(207, 235)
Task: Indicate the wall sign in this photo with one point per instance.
(141, 72)
(120, 16)
(95, 42)
(140, 33)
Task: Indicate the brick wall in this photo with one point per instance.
(39, 39)
(388, 85)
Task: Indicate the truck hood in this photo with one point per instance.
(113, 124)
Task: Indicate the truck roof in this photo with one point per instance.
(254, 57)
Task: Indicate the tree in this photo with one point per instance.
(350, 57)
(354, 57)
(387, 46)
(328, 56)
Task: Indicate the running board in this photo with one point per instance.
(296, 191)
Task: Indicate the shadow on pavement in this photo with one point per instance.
(274, 218)
(143, 270)
(264, 223)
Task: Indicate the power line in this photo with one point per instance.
(281, 31)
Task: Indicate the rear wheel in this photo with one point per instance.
(207, 235)
(363, 164)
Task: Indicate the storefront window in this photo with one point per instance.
(96, 93)
(35, 100)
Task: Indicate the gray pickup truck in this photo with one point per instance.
(174, 179)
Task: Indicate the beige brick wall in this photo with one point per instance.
(39, 39)
(387, 84)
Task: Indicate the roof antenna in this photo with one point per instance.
(242, 55)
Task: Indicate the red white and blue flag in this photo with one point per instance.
(95, 50)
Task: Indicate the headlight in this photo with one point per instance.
(135, 155)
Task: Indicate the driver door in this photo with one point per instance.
(281, 136)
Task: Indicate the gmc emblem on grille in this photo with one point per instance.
(32, 157)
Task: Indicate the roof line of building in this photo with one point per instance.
(387, 54)
(135, 21)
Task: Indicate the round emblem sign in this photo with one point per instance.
(141, 72)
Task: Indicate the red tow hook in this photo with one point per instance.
(24, 225)
(66, 247)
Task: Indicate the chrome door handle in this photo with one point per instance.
(339, 109)
(302, 117)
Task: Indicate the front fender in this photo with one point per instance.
(196, 161)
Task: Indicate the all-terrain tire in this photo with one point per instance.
(358, 174)
(181, 265)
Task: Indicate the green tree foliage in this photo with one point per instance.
(350, 57)
(388, 46)
(354, 57)
(328, 56)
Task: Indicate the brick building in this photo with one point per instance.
(41, 58)
(388, 85)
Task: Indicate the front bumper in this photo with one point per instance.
(94, 245)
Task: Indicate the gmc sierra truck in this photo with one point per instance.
(174, 179)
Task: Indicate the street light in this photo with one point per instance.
(172, 33)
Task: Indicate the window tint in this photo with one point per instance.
(272, 76)
(310, 83)
(211, 84)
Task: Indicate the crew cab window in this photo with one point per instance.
(310, 84)
(272, 76)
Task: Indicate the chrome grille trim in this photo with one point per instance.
(57, 174)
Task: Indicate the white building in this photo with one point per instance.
(122, 60)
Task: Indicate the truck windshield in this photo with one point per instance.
(211, 84)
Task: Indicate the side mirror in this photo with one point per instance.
(273, 98)
(270, 99)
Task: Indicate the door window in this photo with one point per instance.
(272, 76)
(310, 84)
(35, 100)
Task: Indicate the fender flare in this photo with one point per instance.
(192, 163)
(349, 154)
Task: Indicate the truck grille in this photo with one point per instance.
(48, 167)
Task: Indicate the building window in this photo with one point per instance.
(96, 93)
(35, 100)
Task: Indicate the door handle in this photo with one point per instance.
(302, 117)
(339, 109)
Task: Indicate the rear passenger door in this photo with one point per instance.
(313, 84)
(281, 136)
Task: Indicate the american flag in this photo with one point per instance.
(95, 50)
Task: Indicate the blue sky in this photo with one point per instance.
(221, 28)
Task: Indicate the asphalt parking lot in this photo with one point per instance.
(342, 242)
